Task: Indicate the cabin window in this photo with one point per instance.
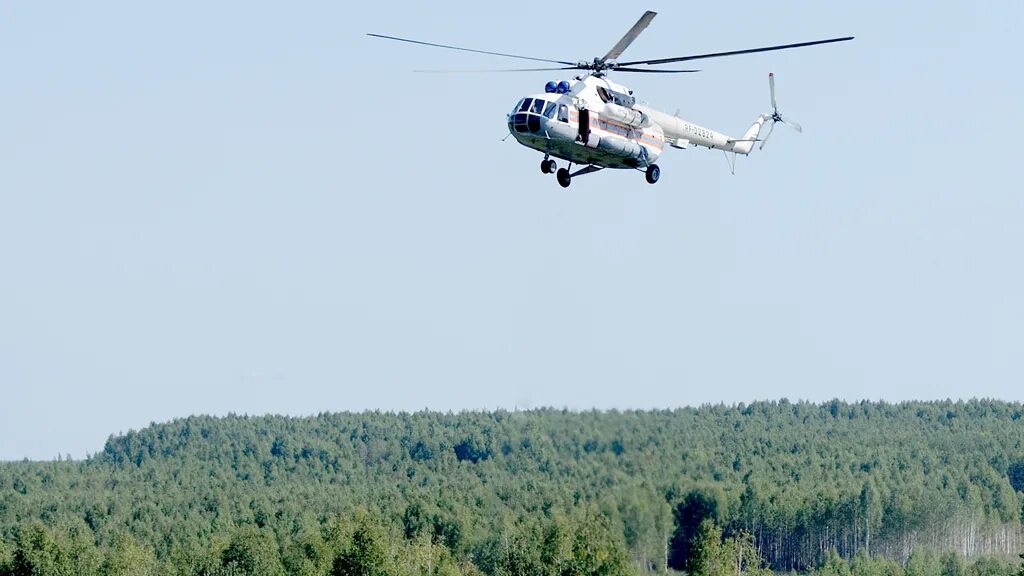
(563, 113)
(538, 106)
(549, 109)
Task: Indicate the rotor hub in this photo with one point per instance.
(598, 67)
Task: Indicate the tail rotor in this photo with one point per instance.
(775, 116)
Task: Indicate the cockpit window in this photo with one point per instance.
(528, 113)
(563, 113)
(519, 121)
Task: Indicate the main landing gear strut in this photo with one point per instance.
(564, 177)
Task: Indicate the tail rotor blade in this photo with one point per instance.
(775, 117)
(765, 141)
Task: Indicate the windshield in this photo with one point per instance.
(526, 116)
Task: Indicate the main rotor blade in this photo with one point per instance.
(626, 40)
(650, 71)
(484, 71)
(472, 50)
(736, 52)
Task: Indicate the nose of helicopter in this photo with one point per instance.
(531, 114)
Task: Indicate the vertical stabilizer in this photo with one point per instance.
(745, 144)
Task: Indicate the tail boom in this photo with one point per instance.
(681, 133)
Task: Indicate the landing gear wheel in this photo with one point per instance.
(547, 166)
(563, 177)
(653, 173)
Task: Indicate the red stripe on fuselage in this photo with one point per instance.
(618, 129)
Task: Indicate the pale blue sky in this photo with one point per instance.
(253, 207)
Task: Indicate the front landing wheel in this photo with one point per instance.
(563, 177)
(547, 166)
(653, 173)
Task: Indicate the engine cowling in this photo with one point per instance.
(628, 116)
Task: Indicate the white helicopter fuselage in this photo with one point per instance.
(597, 122)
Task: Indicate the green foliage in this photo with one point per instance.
(808, 485)
(595, 550)
(309, 553)
(834, 565)
(918, 562)
(707, 558)
(991, 566)
(714, 555)
(953, 564)
(579, 546)
(5, 558)
(1016, 476)
(127, 557)
(473, 448)
(922, 563)
(696, 508)
(371, 552)
(251, 552)
(864, 565)
(66, 551)
(425, 558)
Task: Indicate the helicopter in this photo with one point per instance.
(595, 123)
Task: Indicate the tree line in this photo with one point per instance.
(803, 486)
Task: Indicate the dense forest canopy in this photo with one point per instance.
(807, 486)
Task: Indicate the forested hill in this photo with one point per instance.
(804, 479)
